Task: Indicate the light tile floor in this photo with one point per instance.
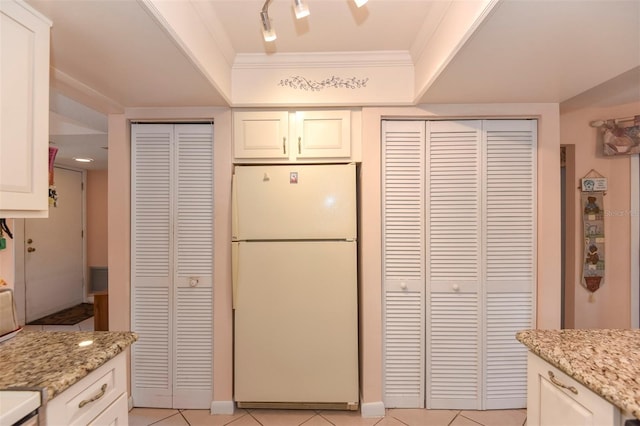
(394, 417)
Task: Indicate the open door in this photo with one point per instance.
(54, 251)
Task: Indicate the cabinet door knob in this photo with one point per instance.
(456, 287)
(31, 249)
(403, 286)
(558, 383)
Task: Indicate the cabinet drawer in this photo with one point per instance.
(83, 401)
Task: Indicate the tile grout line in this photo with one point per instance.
(464, 417)
(320, 414)
(185, 419)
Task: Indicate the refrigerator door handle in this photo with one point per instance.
(234, 208)
(234, 273)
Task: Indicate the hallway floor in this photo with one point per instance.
(86, 325)
(394, 417)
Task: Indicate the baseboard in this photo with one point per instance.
(222, 407)
(130, 402)
(372, 409)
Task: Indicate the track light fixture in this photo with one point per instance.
(300, 9)
(268, 33)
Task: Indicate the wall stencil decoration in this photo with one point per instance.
(593, 265)
(301, 83)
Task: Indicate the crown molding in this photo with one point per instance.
(323, 60)
(81, 92)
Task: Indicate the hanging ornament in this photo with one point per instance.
(53, 193)
(593, 188)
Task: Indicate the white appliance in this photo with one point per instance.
(295, 286)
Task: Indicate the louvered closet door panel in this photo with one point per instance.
(193, 267)
(151, 264)
(453, 264)
(453, 374)
(151, 359)
(194, 211)
(193, 347)
(509, 256)
(151, 206)
(403, 263)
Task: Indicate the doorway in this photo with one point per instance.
(568, 236)
(54, 250)
(635, 241)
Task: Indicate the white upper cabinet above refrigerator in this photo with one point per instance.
(283, 136)
(294, 202)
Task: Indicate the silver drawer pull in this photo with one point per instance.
(103, 389)
(558, 383)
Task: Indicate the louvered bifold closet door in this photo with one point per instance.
(193, 266)
(151, 260)
(509, 256)
(403, 263)
(453, 232)
(172, 262)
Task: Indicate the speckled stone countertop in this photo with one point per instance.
(53, 360)
(605, 361)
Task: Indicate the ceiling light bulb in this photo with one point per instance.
(83, 160)
(301, 9)
(360, 3)
(268, 33)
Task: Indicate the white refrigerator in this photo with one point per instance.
(295, 286)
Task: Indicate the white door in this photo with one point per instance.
(323, 134)
(261, 134)
(172, 265)
(54, 278)
(458, 261)
(296, 322)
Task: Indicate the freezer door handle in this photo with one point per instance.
(234, 208)
(234, 274)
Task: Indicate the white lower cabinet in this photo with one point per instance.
(116, 414)
(98, 399)
(556, 399)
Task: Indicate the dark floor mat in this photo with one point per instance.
(69, 316)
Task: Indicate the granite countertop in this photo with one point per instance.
(52, 361)
(605, 361)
